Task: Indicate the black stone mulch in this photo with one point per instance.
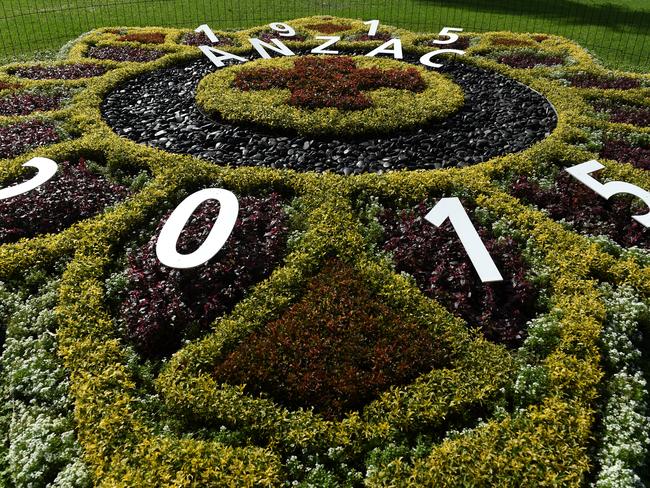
(500, 116)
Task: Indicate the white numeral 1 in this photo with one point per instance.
(208, 32)
(611, 188)
(452, 209)
(221, 230)
(374, 25)
(46, 169)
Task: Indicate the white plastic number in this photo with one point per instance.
(448, 32)
(452, 209)
(426, 59)
(46, 169)
(611, 188)
(208, 32)
(221, 230)
(283, 29)
(374, 25)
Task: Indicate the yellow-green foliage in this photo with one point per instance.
(542, 445)
(391, 109)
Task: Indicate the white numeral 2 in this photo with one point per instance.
(46, 169)
(611, 188)
(221, 230)
(452, 209)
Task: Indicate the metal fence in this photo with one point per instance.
(617, 34)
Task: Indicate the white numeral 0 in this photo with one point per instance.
(283, 29)
(452, 209)
(221, 230)
(448, 32)
(611, 188)
(46, 169)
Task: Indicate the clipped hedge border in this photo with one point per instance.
(121, 445)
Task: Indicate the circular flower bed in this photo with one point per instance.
(62, 72)
(329, 95)
(18, 138)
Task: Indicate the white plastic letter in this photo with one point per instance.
(452, 209)
(448, 32)
(396, 51)
(283, 29)
(46, 169)
(208, 32)
(261, 47)
(223, 55)
(221, 230)
(611, 188)
(374, 25)
(322, 49)
(426, 59)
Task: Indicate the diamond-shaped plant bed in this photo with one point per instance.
(18, 138)
(335, 350)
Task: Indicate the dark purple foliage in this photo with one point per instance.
(587, 212)
(26, 103)
(267, 36)
(64, 72)
(527, 60)
(125, 53)
(438, 262)
(586, 80)
(620, 150)
(200, 39)
(624, 113)
(17, 138)
(73, 194)
(379, 36)
(163, 304)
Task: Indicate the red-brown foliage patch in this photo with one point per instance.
(328, 28)
(144, 38)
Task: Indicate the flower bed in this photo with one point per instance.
(200, 39)
(588, 80)
(339, 338)
(63, 72)
(17, 138)
(72, 195)
(524, 60)
(124, 53)
(25, 103)
(624, 113)
(143, 38)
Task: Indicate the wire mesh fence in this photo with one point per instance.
(619, 35)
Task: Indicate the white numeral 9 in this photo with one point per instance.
(448, 32)
(221, 230)
(611, 188)
(374, 25)
(452, 209)
(46, 169)
(208, 32)
(283, 29)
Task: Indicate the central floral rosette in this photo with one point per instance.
(329, 95)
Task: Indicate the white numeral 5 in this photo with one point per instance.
(611, 188)
(221, 230)
(46, 169)
(452, 209)
(450, 33)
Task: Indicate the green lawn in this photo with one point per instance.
(617, 31)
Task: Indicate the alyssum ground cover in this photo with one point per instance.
(338, 338)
